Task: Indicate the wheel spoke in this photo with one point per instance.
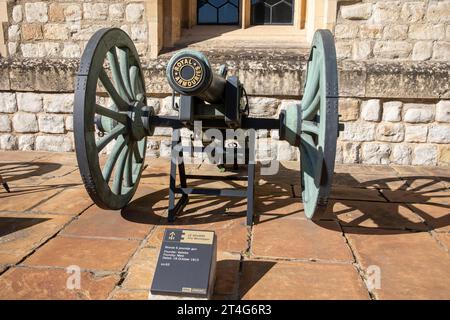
(312, 83)
(124, 59)
(137, 153)
(119, 117)
(129, 166)
(134, 78)
(314, 157)
(117, 75)
(111, 162)
(141, 95)
(118, 176)
(121, 104)
(118, 131)
(310, 127)
(311, 110)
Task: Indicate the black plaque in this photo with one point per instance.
(186, 264)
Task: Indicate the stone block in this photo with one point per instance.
(8, 142)
(58, 103)
(412, 12)
(116, 11)
(427, 31)
(385, 12)
(56, 31)
(359, 131)
(56, 12)
(351, 152)
(36, 12)
(401, 154)
(25, 122)
(54, 143)
(392, 111)
(422, 50)
(395, 32)
(361, 11)
(51, 123)
(32, 31)
(425, 155)
(8, 102)
(418, 113)
(439, 133)
(371, 110)
(348, 109)
(392, 49)
(29, 102)
(72, 12)
(134, 12)
(5, 123)
(416, 133)
(26, 142)
(376, 153)
(438, 11)
(390, 132)
(443, 111)
(17, 13)
(441, 51)
(95, 11)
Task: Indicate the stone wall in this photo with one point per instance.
(376, 131)
(61, 28)
(405, 30)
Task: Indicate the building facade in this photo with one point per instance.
(393, 59)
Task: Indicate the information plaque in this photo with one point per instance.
(186, 265)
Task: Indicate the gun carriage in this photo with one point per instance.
(217, 100)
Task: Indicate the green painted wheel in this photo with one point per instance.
(110, 70)
(319, 124)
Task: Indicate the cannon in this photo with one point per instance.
(110, 64)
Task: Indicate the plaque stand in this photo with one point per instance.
(186, 267)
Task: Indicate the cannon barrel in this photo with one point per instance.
(189, 73)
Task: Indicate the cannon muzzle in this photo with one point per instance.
(189, 73)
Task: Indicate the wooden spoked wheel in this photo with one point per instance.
(110, 70)
(319, 124)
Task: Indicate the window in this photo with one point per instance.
(272, 11)
(218, 12)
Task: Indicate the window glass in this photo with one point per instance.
(218, 11)
(272, 11)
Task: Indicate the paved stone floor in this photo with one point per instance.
(391, 222)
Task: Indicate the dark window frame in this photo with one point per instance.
(238, 7)
(271, 15)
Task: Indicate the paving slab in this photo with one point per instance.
(412, 264)
(51, 284)
(297, 238)
(96, 222)
(21, 233)
(374, 181)
(24, 198)
(436, 216)
(87, 253)
(123, 294)
(440, 197)
(70, 201)
(346, 193)
(20, 156)
(299, 280)
(374, 215)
